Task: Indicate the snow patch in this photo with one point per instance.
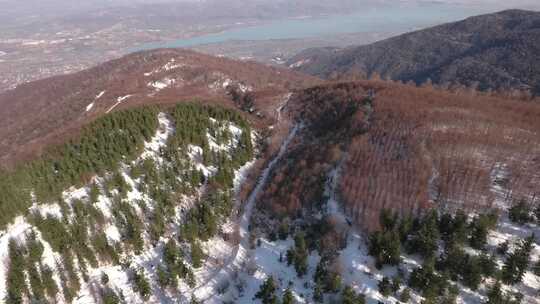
(195, 154)
(299, 63)
(119, 100)
(161, 84)
(169, 66)
(265, 259)
(240, 175)
(98, 96)
(499, 179)
(89, 107)
(152, 149)
(47, 210)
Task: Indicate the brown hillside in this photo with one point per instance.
(48, 110)
(412, 149)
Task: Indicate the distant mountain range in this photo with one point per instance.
(495, 51)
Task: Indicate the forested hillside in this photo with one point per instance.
(409, 150)
(174, 177)
(390, 192)
(497, 51)
(89, 221)
(45, 112)
(429, 148)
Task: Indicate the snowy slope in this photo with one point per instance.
(151, 256)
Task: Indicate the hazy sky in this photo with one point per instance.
(13, 9)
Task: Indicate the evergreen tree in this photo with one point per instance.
(334, 283)
(196, 254)
(141, 284)
(298, 255)
(385, 247)
(318, 293)
(49, 284)
(15, 281)
(495, 294)
(388, 220)
(488, 265)
(405, 296)
(385, 286)
(454, 229)
(267, 292)
(502, 248)
(94, 193)
(480, 227)
(108, 296)
(283, 231)
(288, 297)
(349, 296)
(426, 280)
(424, 240)
(517, 262)
(520, 213)
(472, 274)
(405, 227)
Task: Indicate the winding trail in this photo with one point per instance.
(207, 292)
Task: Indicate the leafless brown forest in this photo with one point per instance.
(412, 149)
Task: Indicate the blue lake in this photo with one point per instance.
(394, 18)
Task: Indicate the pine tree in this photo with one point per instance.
(495, 295)
(109, 297)
(385, 247)
(94, 193)
(49, 284)
(196, 254)
(16, 285)
(385, 287)
(479, 232)
(141, 284)
(472, 274)
(520, 213)
(488, 265)
(405, 296)
(298, 255)
(267, 292)
(424, 240)
(502, 248)
(388, 219)
(426, 280)
(349, 296)
(288, 297)
(334, 283)
(283, 231)
(517, 262)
